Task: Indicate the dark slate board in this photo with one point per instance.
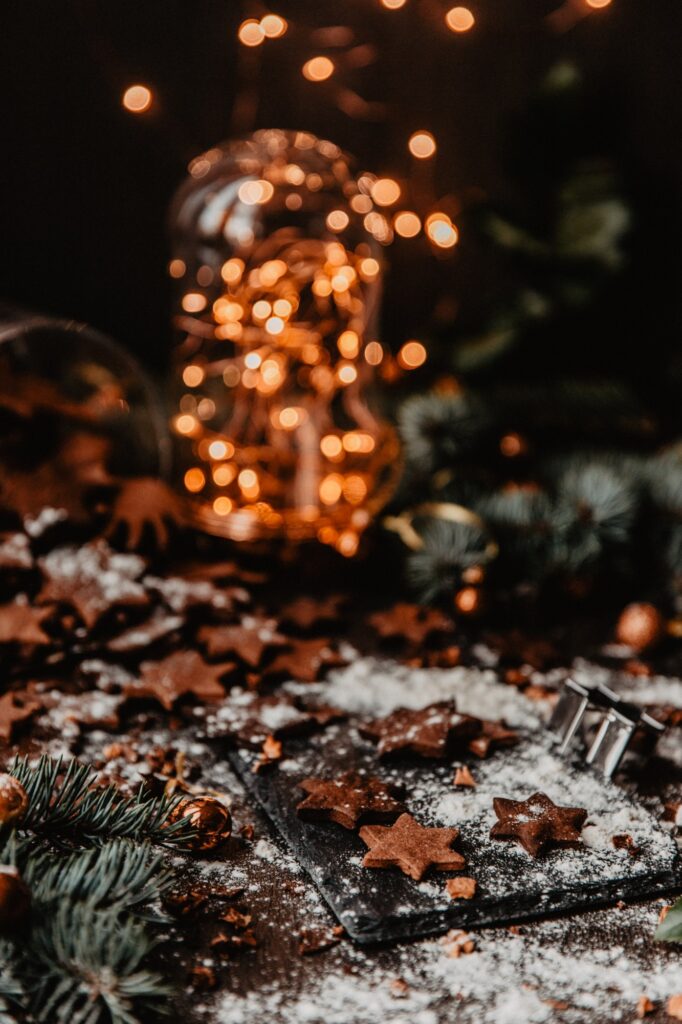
(383, 905)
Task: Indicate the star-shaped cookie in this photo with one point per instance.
(492, 736)
(250, 719)
(306, 613)
(348, 800)
(537, 823)
(13, 710)
(248, 639)
(92, 579)
(410, 622)
(180, 674)
(305, 660)
(411, 847)
(21, 623)
(434, 731)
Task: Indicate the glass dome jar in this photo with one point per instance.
(276, 258)
(61, 381)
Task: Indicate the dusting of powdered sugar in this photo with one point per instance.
(567, 970)
(375, 687)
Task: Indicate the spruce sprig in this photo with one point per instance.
(85, 853)
(65, 804)
(81, 959)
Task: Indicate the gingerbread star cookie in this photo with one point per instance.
(348, 800)
(537, 823)
(433, 731)
(411, 847)
(410, 622)
(183, 673)
(14, 708)
(492, 735)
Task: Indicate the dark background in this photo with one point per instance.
(86, 185)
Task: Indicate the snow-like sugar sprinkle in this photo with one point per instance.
(374, 687)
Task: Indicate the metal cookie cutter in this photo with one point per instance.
(618, 724)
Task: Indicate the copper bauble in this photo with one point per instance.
(640, 625)
(209, 817)
(13, 800)
(15, 899)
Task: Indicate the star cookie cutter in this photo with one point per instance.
(619, 723)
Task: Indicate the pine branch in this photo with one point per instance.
(64, 803)
(83, 963)
(120, 875)
(82, 959)
(11, 992)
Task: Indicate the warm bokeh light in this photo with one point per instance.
(385, 191)
(222, 506)
(337, 220)
(177, 269)
(459, 19)
(137, 99)
(331, 489)
(347, 373)
(331, 446)
(274, 325)
(412, 355)
(393, 5)
(422, 145)
(220, 450)
(194, 480)
(252, 360)
(407, 224)
(247, 480)
(441, 230)
(597, 4)
(261, 309)
(193, 302)
(273, 26)
(253, 193)
(224, 474)
(193, 375)
(185, 424)
(318, 69)
(354, 489)
(369, 268)
(347, 543)
(349, 344)
(290, 418)
(374, 353)
(251, 32)
(232, 270)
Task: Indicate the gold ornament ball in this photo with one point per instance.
(640, 625)
(13, 800)
(209, 817)
(15, 899)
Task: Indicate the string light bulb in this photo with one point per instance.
(441, 230)
(273, 26)
(318, 69)
(385, 191)
(137, 99)
(407, 224)
(251, 32)
(422, 145)
(459, 19)
(412, 355)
